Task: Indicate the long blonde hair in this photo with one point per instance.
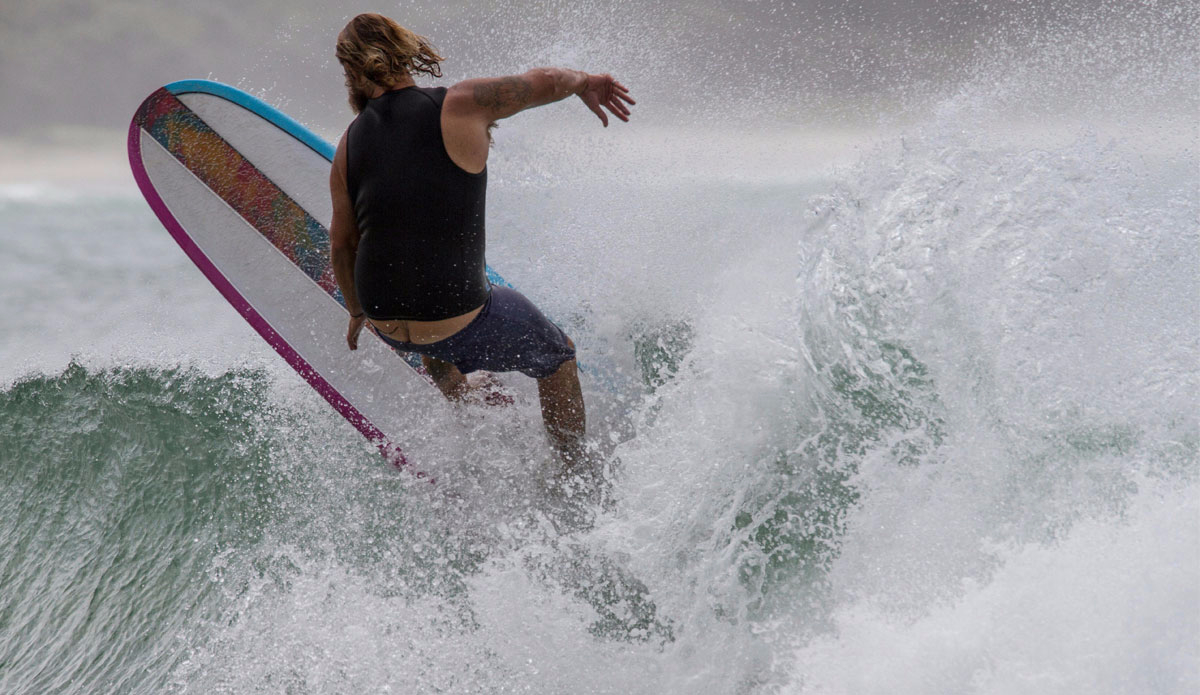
(375, 50)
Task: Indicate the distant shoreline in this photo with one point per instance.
(70, 160)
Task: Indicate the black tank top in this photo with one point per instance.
(420, 215)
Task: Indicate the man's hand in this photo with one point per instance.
(603, 90)
(356, 325)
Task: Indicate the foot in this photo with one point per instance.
(583, 476)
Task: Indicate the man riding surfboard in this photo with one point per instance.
(407, 239)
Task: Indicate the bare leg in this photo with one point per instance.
(562, 410)
(446, 377)
(560, 395)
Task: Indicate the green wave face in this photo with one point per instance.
(153, 518)
(120, 486)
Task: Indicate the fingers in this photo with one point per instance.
(619, 110)
(599, 112)
(605, 93)
(623, 92)
(615, 97)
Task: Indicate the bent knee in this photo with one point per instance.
(437, 368)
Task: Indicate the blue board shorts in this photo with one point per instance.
(508, 335)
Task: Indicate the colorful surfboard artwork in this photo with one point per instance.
(243, 189)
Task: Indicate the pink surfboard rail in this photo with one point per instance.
(162, 111)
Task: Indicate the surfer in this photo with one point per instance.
(408, 183)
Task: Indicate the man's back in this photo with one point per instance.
(421, 216)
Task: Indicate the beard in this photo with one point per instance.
(357, 97)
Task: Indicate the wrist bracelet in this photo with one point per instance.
(361, 313)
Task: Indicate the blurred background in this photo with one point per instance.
(902, 297)
(72, 71)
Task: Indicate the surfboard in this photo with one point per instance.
(244, 190)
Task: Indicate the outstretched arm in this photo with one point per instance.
(487, 100)
(471, 106)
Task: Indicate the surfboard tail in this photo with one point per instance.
(176, 156)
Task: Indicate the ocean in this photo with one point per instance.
(904, 407)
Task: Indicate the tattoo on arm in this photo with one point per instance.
(503, 94)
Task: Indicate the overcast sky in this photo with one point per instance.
(90, 62)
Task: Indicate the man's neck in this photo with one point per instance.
(380, 90)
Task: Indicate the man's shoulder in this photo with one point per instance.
(459, 98)
(435, 94)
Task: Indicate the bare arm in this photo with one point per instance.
(343, 242)
(471, 106)
(492, 98)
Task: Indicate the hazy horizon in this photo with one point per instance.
(88, 63)
(772, 88)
